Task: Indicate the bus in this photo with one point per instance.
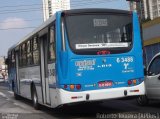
(79, 55)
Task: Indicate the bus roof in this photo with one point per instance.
(96, 10)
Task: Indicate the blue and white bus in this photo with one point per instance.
(77, 56)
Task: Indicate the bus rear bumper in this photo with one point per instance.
(96, 95)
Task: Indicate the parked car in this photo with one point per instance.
(152, 81)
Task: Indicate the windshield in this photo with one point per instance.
(88, 34)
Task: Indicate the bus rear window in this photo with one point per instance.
(87, 34)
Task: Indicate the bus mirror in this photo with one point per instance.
(6, 61)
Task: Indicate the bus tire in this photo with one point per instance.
(142, 100)
(35, 98)
(13, 86)
(17, 97)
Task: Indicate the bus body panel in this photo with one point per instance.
(26, 77)
(89, 70)
(66, 97)
(116, 69)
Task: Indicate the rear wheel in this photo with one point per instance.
(142, 100)
(13, 86)
(35, 98)
(17, 97)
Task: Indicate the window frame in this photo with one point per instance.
(93, 51)
(151, 64)
(31, 52)
(51, 60)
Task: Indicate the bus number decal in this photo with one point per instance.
(127, 63)
(125, 59)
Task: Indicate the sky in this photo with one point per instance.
(28, 14)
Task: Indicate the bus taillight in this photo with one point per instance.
(134, 82)
(129, 82)
(78, 87)
(72, 87)
(65, 86)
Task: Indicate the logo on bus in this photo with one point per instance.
(85, 63)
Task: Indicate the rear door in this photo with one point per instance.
(48, 64)
(153, 78)
(44, 68)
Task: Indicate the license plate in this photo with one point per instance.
(105, 84)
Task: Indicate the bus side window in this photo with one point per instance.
(24, 55)
(13, 59)
(51, 53)
(20, 56)
(35, 51)
(29, 52)
(9, 62)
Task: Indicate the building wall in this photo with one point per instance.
(1, 60)
(149, 34)
(151, 37)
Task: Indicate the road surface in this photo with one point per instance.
(122, 109)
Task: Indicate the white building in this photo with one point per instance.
(147, 9)
(143, 9)
(51, 6)
(3, 68)
(151, 38)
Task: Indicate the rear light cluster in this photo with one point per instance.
(72, 87)
(132, 82)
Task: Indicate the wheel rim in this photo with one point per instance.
(140, 100)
